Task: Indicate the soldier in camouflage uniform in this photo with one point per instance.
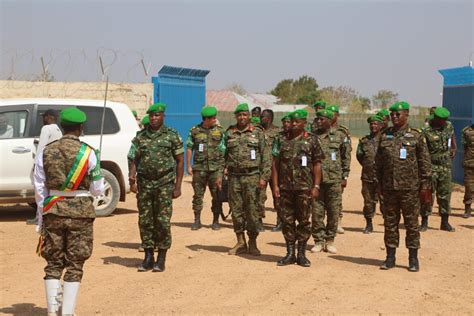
(318, 105)
(366, 150)
(296, 174)
(332, 144)
(468, 164)
(403, 171)
(206, 142)
(385, 115)
(67, 173)
(345, 156)
(157, 172)
(248, 165)
(270, 132)
(438, 137)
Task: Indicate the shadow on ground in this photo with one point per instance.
(188, 225)
(467, 226)
(16, 213)
(361, 260)
(122, 211)
(118, 244)
(24, 309)
(211, 248)
(125, 262)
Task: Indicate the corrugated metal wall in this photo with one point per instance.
(458, 98)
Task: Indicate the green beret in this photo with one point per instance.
(286, 117)
(134, 113)
(255, 120)
(325, 113)
(72, 116)
(320, 103)
(299, 114)
(442, 113)
(430, 117)
(242, 107)
(145, 120)
(374, 118)
(156, 108)
(208, 111)
(333, 108)
(383, 113)
(400, 106)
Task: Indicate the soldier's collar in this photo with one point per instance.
(69, 136)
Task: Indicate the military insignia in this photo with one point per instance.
(216, 133)
(389, 137)
(201, 136)
(409, 135)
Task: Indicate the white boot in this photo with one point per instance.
(70, 291)
(52, 286)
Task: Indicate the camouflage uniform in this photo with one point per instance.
(365, 154)
(345, 157)
(401, 179)
(206, 143)
(329, 200)
(439, 147)
(247, 160)
(156, 174)
(295, 178)
(468, 163)
(270, 135)
(68, 224)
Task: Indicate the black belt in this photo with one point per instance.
(242, 170)
(157, 176)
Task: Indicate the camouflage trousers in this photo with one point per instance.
(397, 203)
(155, 207)
(469, 185)
(328, 202)
(369, 193)
(67, 245)
(262, 197)
(201, 180)
(296, 207)
(243, 193)
(441, 186)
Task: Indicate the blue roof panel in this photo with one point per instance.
(462, 76)
(182, 72)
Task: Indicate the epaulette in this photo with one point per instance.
(344, 129)
(172, 130)
(364, 138)
(231, 128)
(54, 141)
(88, 145)
(414, 129)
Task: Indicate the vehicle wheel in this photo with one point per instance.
(105, 204)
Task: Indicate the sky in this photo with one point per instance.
(366, 45)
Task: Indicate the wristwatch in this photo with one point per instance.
(316, 186)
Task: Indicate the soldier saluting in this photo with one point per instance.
(67, 173)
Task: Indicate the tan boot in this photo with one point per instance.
(330, 247)
(253, 250)
(318, 247)
(240, 246)
(340, 230)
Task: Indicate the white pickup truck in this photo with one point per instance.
(20, 126)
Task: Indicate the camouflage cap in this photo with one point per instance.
(72, 116)
(374, 118)
(383, 113)
(156, 108)
(400, 106)
(333, 108)
(209, 111)
(299, 114)
(242, 107)
(442, 113)
(145, 120)
(325, 113)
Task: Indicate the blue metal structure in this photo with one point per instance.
(183, 90)
(458, 98)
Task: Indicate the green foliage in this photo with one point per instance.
(304, 90)
(384, 98)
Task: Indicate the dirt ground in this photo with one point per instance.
(202, 279)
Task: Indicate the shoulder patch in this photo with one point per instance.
(88, 145)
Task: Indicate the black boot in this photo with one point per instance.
(279, 225)
(390, 260)
(160, 261)
(290, 257)
(445, 224)
(368, 227)
(147, 263)
(413, 264)
(261, 229)
(197, 221)
(467, 211)
(215, 222)
(424, 224)
(301, 259)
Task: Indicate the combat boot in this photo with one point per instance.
(301, 259)
(318, 247)
(70, 292)
(340, 230)
(52, 291)
(330, 247)
(253, 250)
(445, 224)
(240, 247)
(413, 264)
(279, 225)
(368, 227)
(147, 263)
(290, 257)
(424, 224)
(159, 266)
(390, 260)
(261, 229)
(215, 221)
(467, 211)
(197, 221)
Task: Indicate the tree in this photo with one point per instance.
(384, 98)
(47, 77)
(304, 90)
(237, 88)
(347, 98)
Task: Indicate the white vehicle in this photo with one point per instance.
(20, 126)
